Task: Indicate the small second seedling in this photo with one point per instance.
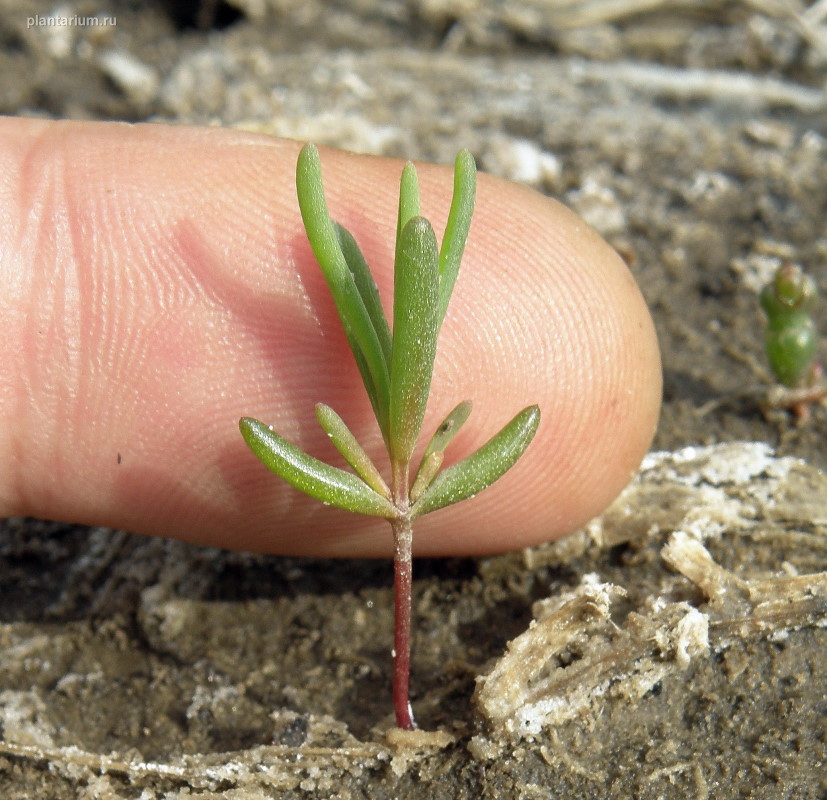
(791, 340)
(396, 370)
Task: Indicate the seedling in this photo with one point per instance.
(791, 340)
(396, 369)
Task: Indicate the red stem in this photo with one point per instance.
(402, 568)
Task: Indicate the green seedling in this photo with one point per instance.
(791, 339)
(396, 368)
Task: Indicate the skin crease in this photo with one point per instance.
(156, 284)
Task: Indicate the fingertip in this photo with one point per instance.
(209, 307)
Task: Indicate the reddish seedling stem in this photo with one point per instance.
(798, 400)
(402, 573)
(403, 567)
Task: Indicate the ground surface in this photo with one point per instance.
(692, 136)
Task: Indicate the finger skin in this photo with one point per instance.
(156, 285)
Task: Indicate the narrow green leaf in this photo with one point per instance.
(449, 427)
(435, 451)
(379, 412)
(457, 227)
(313, 477)
(482, 468)
(408, 199)
(345, 442)
(366, 286)
(359, 329)
(428, 468)
(415, 329)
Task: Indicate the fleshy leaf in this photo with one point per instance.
(449, 427)
(435, 451)
(479, 470)
(428, 468)
(366, 287)
(415, 297)
(408, 198)
(359, 328)
(313, 477)
(345, 442)
(457, 227)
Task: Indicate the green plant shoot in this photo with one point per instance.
(791, 339)
(396, 369)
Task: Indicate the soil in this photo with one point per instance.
(692, 136)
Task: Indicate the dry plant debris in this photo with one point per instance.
(580, 651)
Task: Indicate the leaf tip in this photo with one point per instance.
(465, 159)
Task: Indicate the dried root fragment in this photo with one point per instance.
(570, 659)
(580, 651)
(739, 608)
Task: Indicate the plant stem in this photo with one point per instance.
(402, 573)
(402, 569)
(797, 400)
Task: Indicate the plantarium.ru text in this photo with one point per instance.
(396, 368)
